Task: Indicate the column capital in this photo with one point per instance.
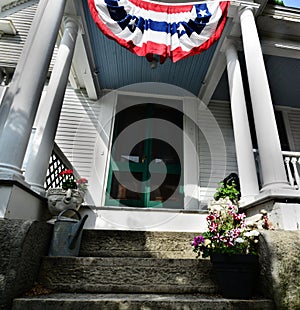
(246, 6)
(70, 18)
(72, 21)
(237, 6)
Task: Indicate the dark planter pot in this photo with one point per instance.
(236, 275)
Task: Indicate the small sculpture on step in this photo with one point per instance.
(70, 195)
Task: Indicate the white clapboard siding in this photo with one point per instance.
(11, 46)
(294, 124)
(76, 133)
(224, 163)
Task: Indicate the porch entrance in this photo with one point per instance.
(146, 157)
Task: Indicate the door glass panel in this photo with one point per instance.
(145, 168)
(168, 190)
(126, 132)
(168, 155)
(122, 181)
(138, 152)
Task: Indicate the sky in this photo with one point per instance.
(292, 3)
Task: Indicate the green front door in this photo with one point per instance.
(145, 167)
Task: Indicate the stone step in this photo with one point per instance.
(117, 243)
(137, 302)
(126, 275)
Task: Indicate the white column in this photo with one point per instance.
(26, 89)
(242, 136)
(272, 166)
(49, 111)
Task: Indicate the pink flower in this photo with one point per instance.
(211, 218)
(82, 181)
(239, 216)
(228, 242)
(235, 232)
(218, 238)
(213, 227)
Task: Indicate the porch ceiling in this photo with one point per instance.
(117, 67)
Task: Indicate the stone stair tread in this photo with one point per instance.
(125, 261)
(138, 301)
(121, 243)
(132, 275)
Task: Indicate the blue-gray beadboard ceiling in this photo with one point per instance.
(117, 67)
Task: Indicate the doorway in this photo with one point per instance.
(146, 157)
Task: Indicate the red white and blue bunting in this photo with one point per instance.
(169, 30)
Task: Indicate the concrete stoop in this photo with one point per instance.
(132, 270)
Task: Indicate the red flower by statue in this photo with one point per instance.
(69, 181)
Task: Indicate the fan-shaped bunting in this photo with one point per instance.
(169, 30)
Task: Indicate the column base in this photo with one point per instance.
(18, 201)
(38, 189)
(278, 186)
(272, 194)
(246, 200)
(11, 171)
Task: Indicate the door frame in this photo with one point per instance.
(190, 166)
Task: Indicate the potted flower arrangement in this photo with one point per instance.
(69, 196)
(232, 245)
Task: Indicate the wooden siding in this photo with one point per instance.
(11, 46)
(216, 163)
(294, 124)
(76, 132)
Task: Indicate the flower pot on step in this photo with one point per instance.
(236, 275)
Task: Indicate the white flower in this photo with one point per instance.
(263, 211)
(207, 242)
(215, 208)
(252, 233)
(221, 203)
(255, 233)
(239, 240)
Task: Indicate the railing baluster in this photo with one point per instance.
(296, 174)
(288, 168)
(298, 161)
(291, 159)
